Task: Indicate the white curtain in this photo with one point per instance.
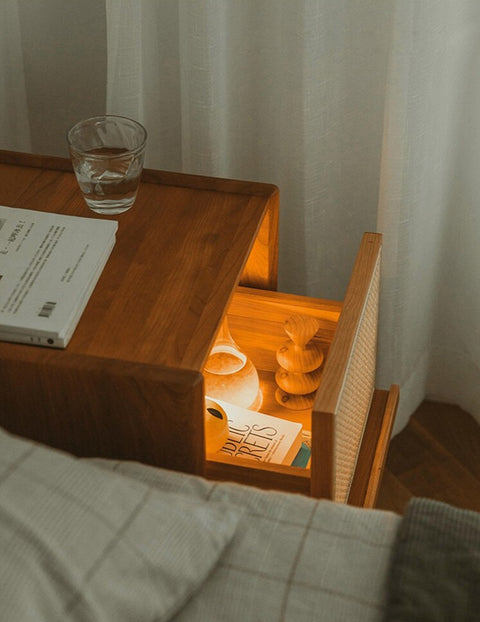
(429, 204)
(365, 113)
(14, 119)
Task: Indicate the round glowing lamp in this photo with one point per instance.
(230, 375)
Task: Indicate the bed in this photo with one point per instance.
(101, 540)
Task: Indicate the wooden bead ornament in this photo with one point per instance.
(299, 353)
(300, 360)
(297, 382)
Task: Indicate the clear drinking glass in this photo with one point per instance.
(107, 155)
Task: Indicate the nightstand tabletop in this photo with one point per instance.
(180, 252)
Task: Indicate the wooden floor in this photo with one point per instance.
(437, 455)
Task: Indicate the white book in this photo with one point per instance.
(49, 266)
(260, 437)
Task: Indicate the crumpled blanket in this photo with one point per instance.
(435, 569)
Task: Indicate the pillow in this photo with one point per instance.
(79, 542)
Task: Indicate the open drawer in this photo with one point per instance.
(350, 422)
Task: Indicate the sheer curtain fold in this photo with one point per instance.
(429, 73)
(14, 118)
(143, 73)
(125, 83)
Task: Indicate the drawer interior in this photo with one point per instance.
(256, 321)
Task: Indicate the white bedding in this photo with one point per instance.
(97, 540)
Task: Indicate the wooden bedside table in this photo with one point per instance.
(129, 385)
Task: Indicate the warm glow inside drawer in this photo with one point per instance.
(256, 321)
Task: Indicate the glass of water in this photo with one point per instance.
(107, 154)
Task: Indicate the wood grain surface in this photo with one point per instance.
(437, 455)
(180, 252)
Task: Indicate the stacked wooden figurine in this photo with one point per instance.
(300, 359)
